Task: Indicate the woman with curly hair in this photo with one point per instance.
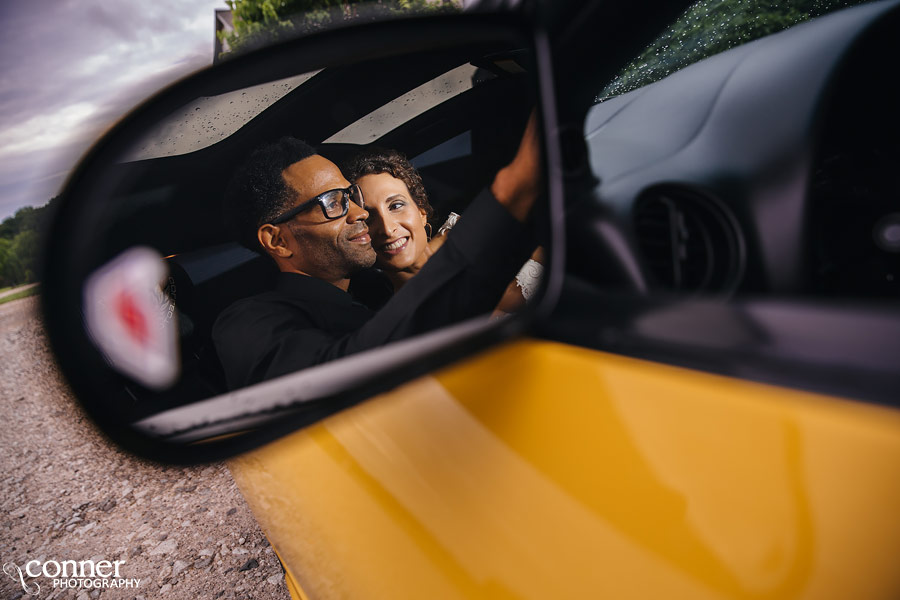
(399, 212)
(400, 222)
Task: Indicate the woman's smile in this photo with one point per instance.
(395, 247)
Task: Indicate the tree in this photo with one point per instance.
(20, 244)
(26, 248)
(259, 23)
(11, 272)
(25, 218)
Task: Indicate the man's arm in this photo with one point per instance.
(518, 185)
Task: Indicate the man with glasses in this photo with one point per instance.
(297, 207)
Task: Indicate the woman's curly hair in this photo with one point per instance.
(374, 161)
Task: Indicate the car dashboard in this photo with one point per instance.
(765, 169)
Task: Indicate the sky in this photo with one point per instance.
(70, 68)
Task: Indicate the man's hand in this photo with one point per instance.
(435, 243)
(517, 185)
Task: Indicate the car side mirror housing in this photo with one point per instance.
(139, 265)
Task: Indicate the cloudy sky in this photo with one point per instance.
(70, 68)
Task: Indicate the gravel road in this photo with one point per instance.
(68, 494)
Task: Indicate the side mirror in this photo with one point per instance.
(139, 265)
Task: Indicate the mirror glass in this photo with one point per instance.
(209, 305)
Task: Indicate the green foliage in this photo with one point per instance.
(259, 23)
(25, 218)
(26, 248)
(712, 26)
(9, 265)
(20, 244)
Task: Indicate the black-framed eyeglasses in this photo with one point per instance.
(334, 204)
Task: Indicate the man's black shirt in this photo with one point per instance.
(306, 321)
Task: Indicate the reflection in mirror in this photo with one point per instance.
(210, 119)
(284, 241)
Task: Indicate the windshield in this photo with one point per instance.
(712, 26)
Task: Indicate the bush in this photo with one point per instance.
(20, 245)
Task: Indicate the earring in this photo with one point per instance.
(428, 231)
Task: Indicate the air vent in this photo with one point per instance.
(689, 242)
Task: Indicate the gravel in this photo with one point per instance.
(68, 494)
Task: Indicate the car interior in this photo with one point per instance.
(765, 169)
(742, 216)
(173, 201)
